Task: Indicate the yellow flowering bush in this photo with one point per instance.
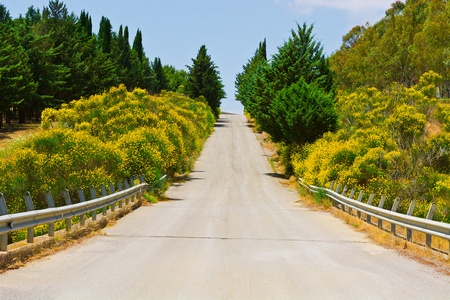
(383, 147)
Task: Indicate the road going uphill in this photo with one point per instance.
(231, 231)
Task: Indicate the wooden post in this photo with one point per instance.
(430, 217)
(409, 213)
(30, 207)
(51, 204)
(331, 185)
(82, 199)
(68, 201)
(3, 211)
(93, 196)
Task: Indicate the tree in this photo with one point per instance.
(204, 80)
(301, 57)
(104, 35)
(161, 80)
(304, 112)
(175, 78)
(5, 17)
(243, 84)
(137, 45)
(16, 84)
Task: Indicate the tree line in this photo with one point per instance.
(51, 57)
(412, 39)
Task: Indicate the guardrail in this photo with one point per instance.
(428, 226)
(27, 220)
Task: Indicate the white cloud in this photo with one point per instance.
(352, 6)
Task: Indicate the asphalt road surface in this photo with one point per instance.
(231, 231)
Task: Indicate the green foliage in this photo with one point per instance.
(160, 77)
(412, 39)
(204, 80)
(103, 138)
(175, 78)
(383, 147)
(52, 58)
(303, 112)
(292, 97)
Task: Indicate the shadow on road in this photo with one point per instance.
(275, 175)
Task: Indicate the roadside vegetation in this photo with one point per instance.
(105, 138)
(373, 116)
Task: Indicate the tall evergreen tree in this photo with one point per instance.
(105, 35)
(16, 84)
(137, 45)
(204, 80)
(160, 77)
(5, 17)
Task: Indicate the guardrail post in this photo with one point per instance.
(127, 200)
(51, 204)
(142, 178)
(352, 193)
(409, 213)
(331, 185)
(380, 205)
(30, 207)
(3, 211)
(113, 191)
(361, 194)
(93, 196)
(68, 201)
(430, 217)
(82, 199)
(369, 202)
(132, 185)
(103, 189)
(394, 209)
(338, 188)
(337, 192)
(119, 186)
(344, 191)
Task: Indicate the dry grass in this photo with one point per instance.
(14, 131)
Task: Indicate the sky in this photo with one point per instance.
(174, 30)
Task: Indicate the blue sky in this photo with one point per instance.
(174, 30)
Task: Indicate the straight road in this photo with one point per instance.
(231, 231)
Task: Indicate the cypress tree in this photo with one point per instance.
(5, 17)
(137, 45)
(160, 78)
(204, 80)
(105, 35)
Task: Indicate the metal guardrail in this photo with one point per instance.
(27, 220)
(411, 223)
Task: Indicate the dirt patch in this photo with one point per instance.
(14, 131)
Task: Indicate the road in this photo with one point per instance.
(231, 231)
